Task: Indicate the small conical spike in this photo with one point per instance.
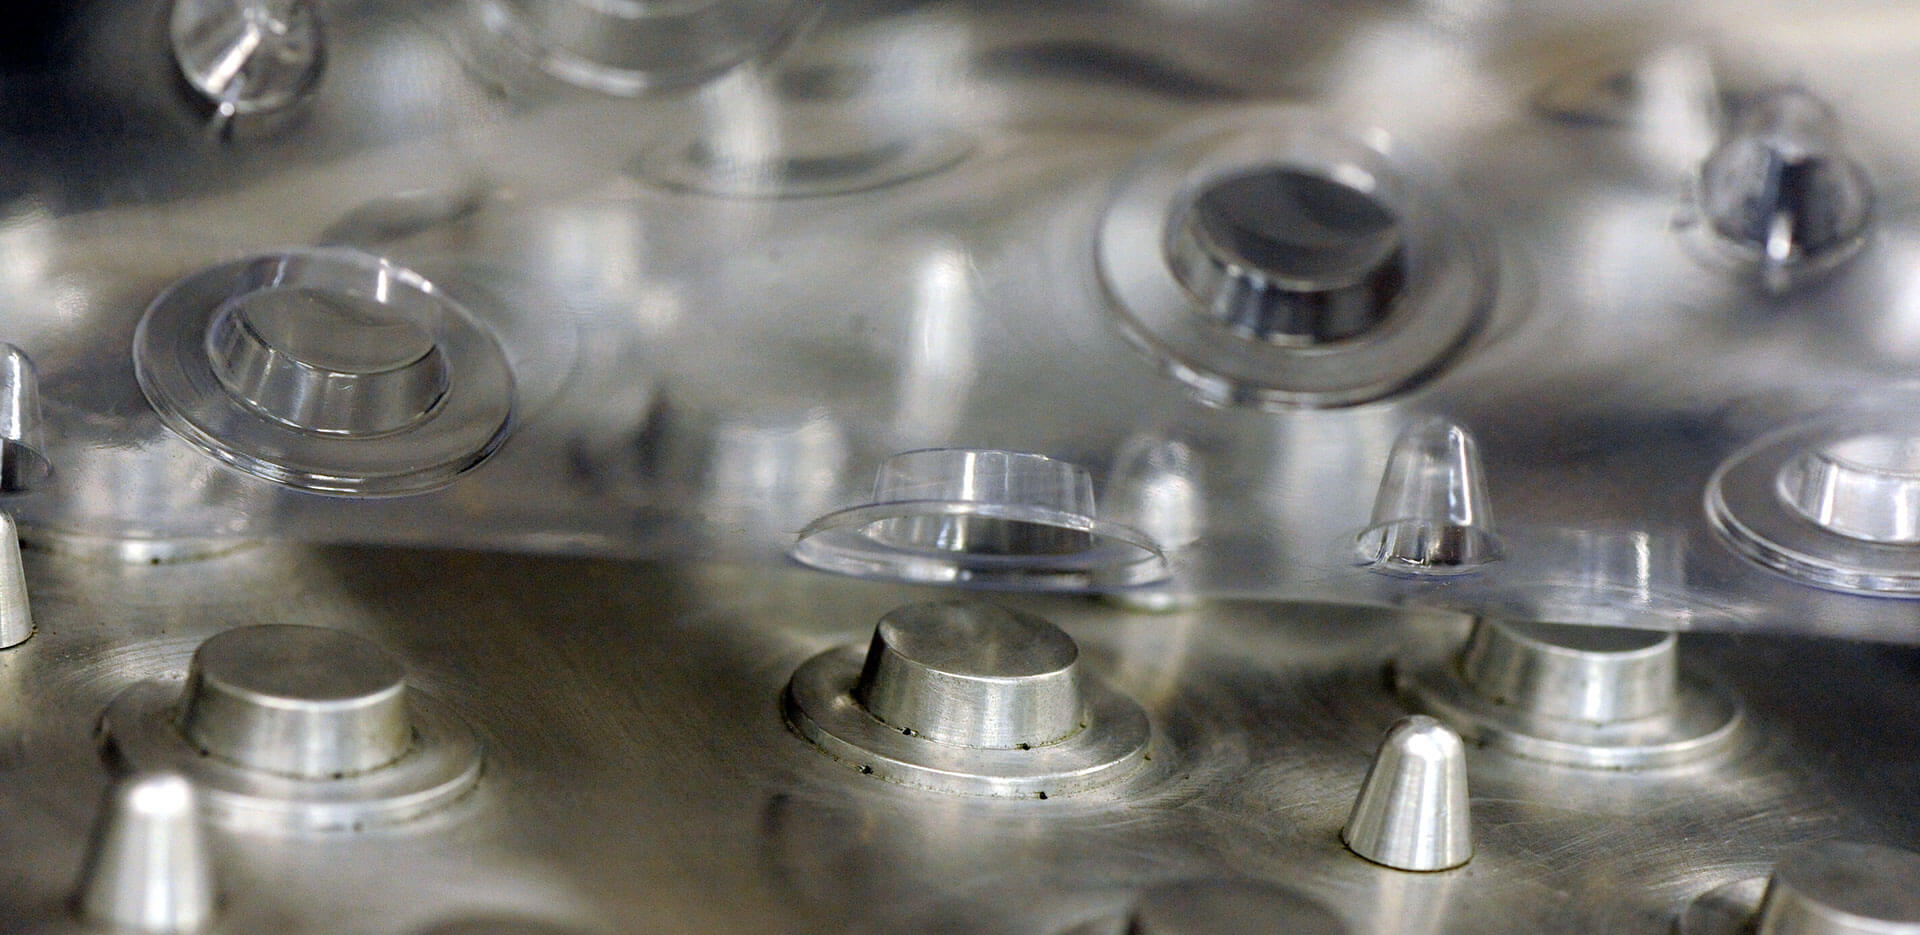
(16, 616)
(1431, 515)
(148, 869)
(1781, 185)
(23, 460)
(1412, 812)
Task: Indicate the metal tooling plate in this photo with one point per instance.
(638, 776)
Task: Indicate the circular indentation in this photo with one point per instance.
(1581, 673)
(1288, 256)
(1830, 502)
(1843, 888)
(326, 370)
(1607, 700)
(327, 363)
(980, 516)
(968, 698)
(1866, 487)
(300, 701)
(1339, 271)
(1217, 907)
(1727, 909)
(247, 56)
(973, 674)
(624, 47)
(267, 709)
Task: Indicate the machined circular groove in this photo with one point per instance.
(1110, 744)
(1745, 506)
(1703, 721)
(141, 732)
(1443, 300)
(1727, 909)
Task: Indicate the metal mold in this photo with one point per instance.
(985, 518)
(1274, 258)
(297, 728)
(1217, 907)
(1412, 812)
(326, 370)
(968, 698)
(23, 444)
(16, 610)
(1578, 695)
(147, 867)
(1827, 888)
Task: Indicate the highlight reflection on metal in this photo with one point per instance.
(1412, 812)
(297, 728)
(1830, 502)
(325, 370)
(982, 517)
(1272, 258)
(148, 869)
(968, 697)
(16, 612)
(1431, 516)
(1218, 907)
(23, 445)
(1599, 697)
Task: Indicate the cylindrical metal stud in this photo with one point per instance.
(16, 615)
(1412, 812)
(147, 867)
(973, 674)
(1597, 675)
(298, 701)
(23, 458)
(1841, 888)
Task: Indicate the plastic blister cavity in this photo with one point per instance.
(627, 47)
(327, 370)
(23, 446)
(1431, 515)
(1833, 502)
(1780, 195)
(1275, 259)
(248, 57)
(983, 517)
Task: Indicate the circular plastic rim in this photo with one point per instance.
(1745, 509)
(1117, 556)
(1705, 718)
(503, 19)
(1446, 298)
(469, 423)
(819, 706)
(141, 732)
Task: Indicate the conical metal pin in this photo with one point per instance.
(23, 459)
(1412, 812)
(148, 868)
(1431, 516)
(1781, 186)
(16, 616)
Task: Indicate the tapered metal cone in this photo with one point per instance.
(23, 459)
(1431, 515)
(1412, 813)
(16, 616)
(147, 866)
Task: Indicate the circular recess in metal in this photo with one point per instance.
(1842, 888)
(1217, 907)
(628, 47)
(1829, 503)
(1727, 909)
(325, 370)
(248, 57)
(1578, 695)
(297, 728)
(1277, 259)
(981, 517)
(968, 698)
